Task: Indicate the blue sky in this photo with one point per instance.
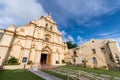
(78, 20)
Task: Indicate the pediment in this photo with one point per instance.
(46, 49)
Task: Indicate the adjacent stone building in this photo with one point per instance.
(39, 41)
(96, 54)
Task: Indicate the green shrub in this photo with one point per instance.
(57, 62)
(13, 60)
(63, 61)
(29, 62)
(69, 63)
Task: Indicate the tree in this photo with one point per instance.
(70, 45)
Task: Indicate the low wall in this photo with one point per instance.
(16, 67)
(25, 66)
(60, 64)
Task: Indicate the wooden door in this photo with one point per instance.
(49, 59)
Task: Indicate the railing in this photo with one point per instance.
(76, 74)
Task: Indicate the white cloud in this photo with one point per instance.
(85, 10)
(66, 37)
(111, 35)
(19, 12)
(70, 38)
(85, 7)
(114, 34)
(80, 40)
(63, 32)
(117, 39)
(108, 33)
(92, 23)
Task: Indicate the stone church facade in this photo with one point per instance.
(96, 53)
(39, 41)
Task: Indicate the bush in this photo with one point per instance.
(57, 62)
(63, 61)
(69, 63)
(29, 62)
(13, 60)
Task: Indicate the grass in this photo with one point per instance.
(113, 73)
(26, 75)
(18, 75)
(56, 74)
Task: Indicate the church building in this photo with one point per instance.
(39, 41)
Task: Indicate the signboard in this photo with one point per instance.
(24, 59)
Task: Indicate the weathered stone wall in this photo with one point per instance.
(99, 57)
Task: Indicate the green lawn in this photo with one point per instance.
(18, 75)
(113, 73)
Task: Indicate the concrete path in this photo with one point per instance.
(44, 75)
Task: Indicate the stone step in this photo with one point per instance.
(48, 67)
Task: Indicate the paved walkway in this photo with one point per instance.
(44, 75)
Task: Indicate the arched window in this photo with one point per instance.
(94, 60)
(51, 28)
(75, 54)
(1, 35)
(47, 38)
(93, 51)
(46, 25)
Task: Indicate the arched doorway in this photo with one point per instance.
(94, 60)
(43, 58)
(46, 56)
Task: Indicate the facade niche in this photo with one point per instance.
(111, 57)
(51, 28)
(94, 60)
(103, 50)
(47, 38)
(93, 51)
(46, 25)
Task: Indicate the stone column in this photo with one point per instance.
(37, 59)
(53, 59)
(60, 60)
(27, 50)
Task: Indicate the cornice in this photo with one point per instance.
(9, 31)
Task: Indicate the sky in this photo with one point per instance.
(78, 20)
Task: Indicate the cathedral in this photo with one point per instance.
(39, 41)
